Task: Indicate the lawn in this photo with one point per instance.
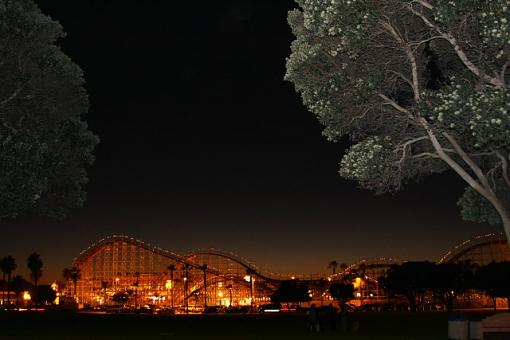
(59, 325)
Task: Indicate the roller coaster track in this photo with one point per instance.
(466, 245)
(185, 259)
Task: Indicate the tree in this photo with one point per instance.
(72, 274)
(419, 86)
(450, 280)
(333, 265)
(120, 297)
(35, 264)
(19, 284)
(410, 279)
(45, 145)
(291, 291)
(7, 265)
(342, 292)
(494, 279)
(45, 294)
(321, 287)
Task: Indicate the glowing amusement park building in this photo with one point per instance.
(148, 274)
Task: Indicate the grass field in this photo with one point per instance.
(59, 325)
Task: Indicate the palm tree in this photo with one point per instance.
(66, 274)
(333, 265)
(171, 269)
(72, 274)
(35, 264)
(204, 270)
(8, 265)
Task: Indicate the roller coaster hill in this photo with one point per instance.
(144, 274)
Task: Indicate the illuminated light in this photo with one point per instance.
(54, 286)
(220, 284)
(271, 310)
(185, 279)
(117, 279)
(26, 296)
(329, 279)
(220, 294)
(358, 294)
(371, 295)
(357, 282)
(168, 284)
(247, 278)
(293, 278)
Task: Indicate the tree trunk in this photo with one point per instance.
(505, 217)
(35, 291)
(3, 288)
(8, 288)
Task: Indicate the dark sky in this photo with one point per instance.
(204, 145)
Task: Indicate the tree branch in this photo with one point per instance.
(12, 96)
(458, 50)
(453, 164)
(396, 106)
(423, 3)
(425, 155)
(504, 167)
(465, 157)
(410, 55)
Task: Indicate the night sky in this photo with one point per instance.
(204, 145)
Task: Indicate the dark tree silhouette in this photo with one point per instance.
(494, 279)
(45, 143)
(450, 280)
(45, 294)
(291, 291)
(72, 274)
(342, 292)
(333, 265)
(19, 284)
(7, 265)
(410, 279)
(35, 264)
(120, 297)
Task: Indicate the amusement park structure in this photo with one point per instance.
(124, 268)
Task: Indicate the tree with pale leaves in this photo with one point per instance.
(419, 86)
(45, 144)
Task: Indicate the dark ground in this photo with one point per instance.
(60, 325)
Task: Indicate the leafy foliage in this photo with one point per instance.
(291, 291)
(418, 86)
(342, 292)
(494, 279)
(44, 143)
